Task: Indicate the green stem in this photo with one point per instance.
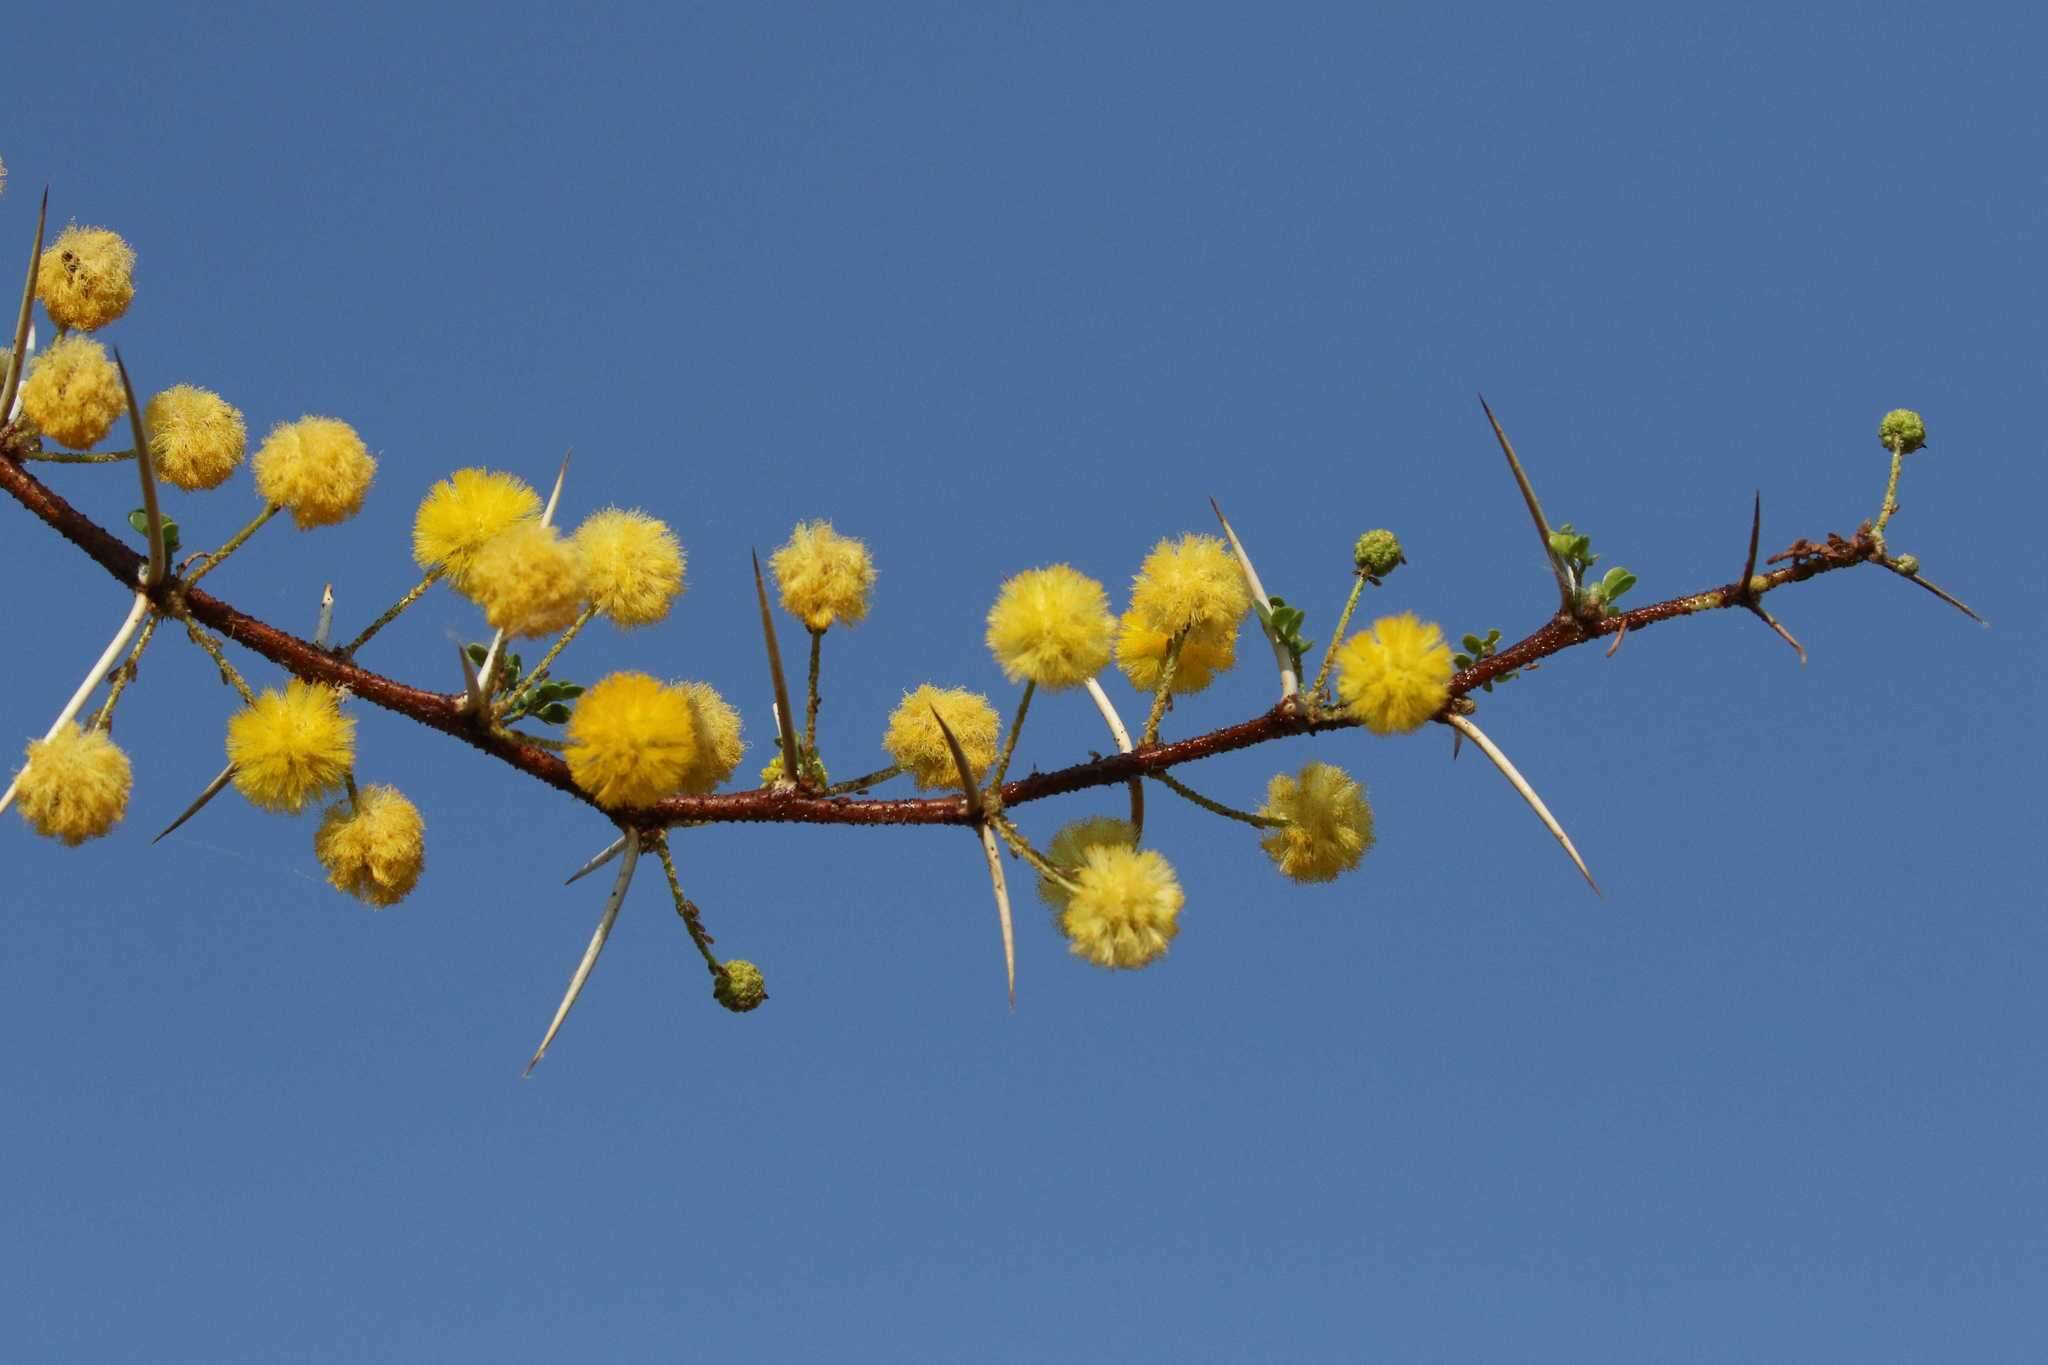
(1337, 636)
(532, 679)
(1891, 494)
(1010, 744)
(685, 907)
(103, 719)
(355, 798)
(1217, 807)
(864, 781)
(227, 670)
(1167, 668)
(392, 612)
(97, 457)
(1016, 840)
(213, 561)
(811, 695)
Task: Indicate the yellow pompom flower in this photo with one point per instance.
(463, 513)
(73, 392)
(318, 467)
(375, 849)
(195, 436)
(1190, 584)
(527, 580)
(1126, 908)
(1141, 654)
(632, 565)
(86, 277)
(1069, 849)
(1329, 823)
(76, 785)
(1051, 626)
(719, 747)
(632, 740)
(1396, 676)
(916, 743)
(289, 747)
(824, 576)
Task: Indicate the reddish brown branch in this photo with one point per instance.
(444, 711)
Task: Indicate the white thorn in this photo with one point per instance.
(597, 940)
(1465, 727)
(86, 688)
(611, 851)
(1289, 683)
(995, 875)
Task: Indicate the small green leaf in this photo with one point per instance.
(569, 691)
(554, 713)
(477, 653)
(1473, 644)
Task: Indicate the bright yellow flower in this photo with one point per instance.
(1141, 654)
(632, 741)
(1069, 849)
(1189, 584)
(318, 467)
(824, 576)
(719, 747)
(1329, 823)
(73, 392)
(196, 436)
(86, 278)
(461, 514)
(1395, 677)
(527, 580)
(915, 741)
(375, 850)
(1126, 909)
(75, 786)
(289, 747)
(632, 565)
(1051, 626)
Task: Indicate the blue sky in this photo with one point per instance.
(994, 287)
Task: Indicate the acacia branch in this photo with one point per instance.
(445, 711)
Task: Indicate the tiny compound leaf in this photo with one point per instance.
(1473, 644)
(554, 713)
(477, 653)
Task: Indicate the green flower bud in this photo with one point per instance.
(1902, 428)
(1377, 553)
(739, 986)
(1907, 564)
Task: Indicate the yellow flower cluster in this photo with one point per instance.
(1396, 676)
(1190, 584)
(73, 392)
(824, 577)
(633, 740)
(1069, 849)
(463, 513)
(1141, 654)
(719, 746)
(317, 467)
(86, 278)
(1329, 823)
(374, 850)
(916, 743)
(1051, 626)
(195, 436)
(527, 580)
(632, 566)
(1126, 907)
(75, 786)
(290, 747)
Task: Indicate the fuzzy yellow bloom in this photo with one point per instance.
(75, 786)
(527, 580)
(632, 741)
(374, 850)
(632, 565)
(824, 576)
(196, 436)
(318, 467)
(462, 513)
(1395, 677)
(1051, 626)
(1329, 823)
(1190, 584)
(1141, 654)
(289, 747)
(1069, 849)
(1127, 907)
(86, 277)
(915, 741)
(73, 392)
(719, 746)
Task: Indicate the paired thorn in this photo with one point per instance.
(479, 696)
(784, 720)
(1289, 682)
(213, 789)
(611, 851)
(977, 810)
(325, 626)
(472, 686)
(1557, 569)
(159, 557)
(1947, 597)
(605, 922)
(24, 319)
(1122, 737)
(1464, 726)
(1745, 592)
